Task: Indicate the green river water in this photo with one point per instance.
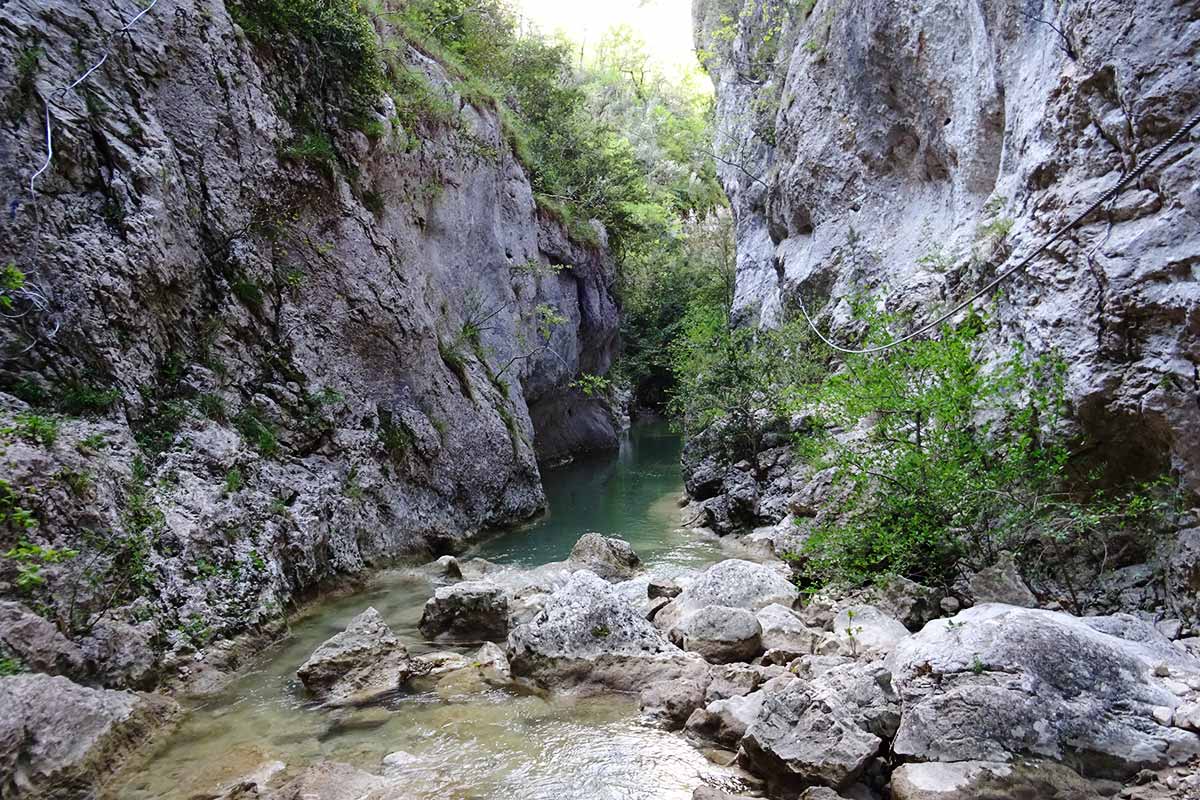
(477, 745)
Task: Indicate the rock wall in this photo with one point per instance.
(271, 361)
(912, 149)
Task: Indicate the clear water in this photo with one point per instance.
(634, 496)
(466, 744)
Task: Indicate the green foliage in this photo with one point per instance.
(157, 434)
(394, 435)
(739, 379)
(10, 666)
(84, 399)
(12, 281)
(13, 512)
(36, 428)
(592, 385)
(257, 431)
(31, 558)
(344, 68)
(312, 148)
(234, 481)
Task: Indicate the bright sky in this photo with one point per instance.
(665, 25)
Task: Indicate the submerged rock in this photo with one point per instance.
(588, 637)
(670, 703)
(332, 780)
(609, 557)
(999, 681)
(477, 610)
(362, 664)
(60, 739)
(970, 780)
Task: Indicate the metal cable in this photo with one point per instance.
(1111, 194)
(62, 91)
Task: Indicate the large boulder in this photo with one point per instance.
(1001, 583)
(587, 637)
(726, 721)
(825, 731)
(60, 739)
(734, 583)
(998, 681)
(122, 655)
(862, 630)
(611, 558)
(785, 632)
(472, 610)
(719, 634)
(37, 642)
(364, 663)
(971, 780)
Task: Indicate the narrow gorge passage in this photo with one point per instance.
(465, 743)
(624, 400)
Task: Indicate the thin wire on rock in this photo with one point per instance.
(1111, 194)
(75, 84)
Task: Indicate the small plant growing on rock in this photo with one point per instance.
(601, 632)
(233, 481)
(36, 428)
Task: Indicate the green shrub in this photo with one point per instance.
(343, 64)
(82, 399)
(257, 431)
(30, 559)
(10, 666)
(12, 281)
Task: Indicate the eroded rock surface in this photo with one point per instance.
(588, 637)
(996, 681)
(60, 739)
(364, 663)
(469, 610)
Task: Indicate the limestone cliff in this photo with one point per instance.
(913, 149)
(268, 354)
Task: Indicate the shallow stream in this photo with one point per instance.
(476, 745)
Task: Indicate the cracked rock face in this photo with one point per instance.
(362, 664)
(288, 334)
(588, 637)
(58, 738)
(998, 681)
(913, 149)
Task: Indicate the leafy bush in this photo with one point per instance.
(344, 69)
